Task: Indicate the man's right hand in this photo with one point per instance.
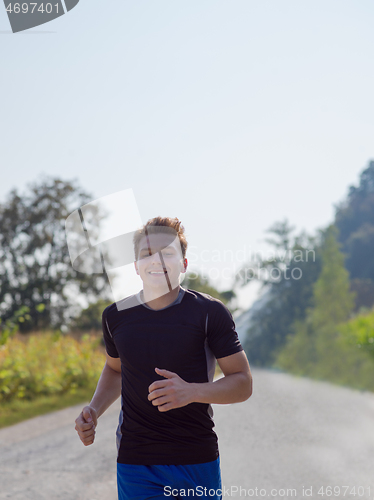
(86, 424)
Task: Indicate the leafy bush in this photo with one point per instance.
(359, 331)
(48, 363)
(90, 317)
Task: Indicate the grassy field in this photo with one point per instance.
(42, 372)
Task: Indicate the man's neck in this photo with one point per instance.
(155, 302)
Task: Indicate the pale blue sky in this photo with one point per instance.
(230, 115)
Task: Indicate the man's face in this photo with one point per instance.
(160, 262)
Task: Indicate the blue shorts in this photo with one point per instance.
(160, 482)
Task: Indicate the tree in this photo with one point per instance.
(90, 317)
(288, 278)
(332, 299)
(358, 208)
(35, 266)
(364, 290)
(314, 346)
(354, 217)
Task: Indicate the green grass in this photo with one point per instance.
(18, 410)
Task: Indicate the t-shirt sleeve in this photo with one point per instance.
(222, 337)
(110, 346)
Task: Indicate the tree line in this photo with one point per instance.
(318, 325)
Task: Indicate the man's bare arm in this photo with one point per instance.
(108, 390)
(234, 387)
(108, 387)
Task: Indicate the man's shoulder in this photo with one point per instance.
(197, 296)
(212, 304)
(121, 306)
(202, 297)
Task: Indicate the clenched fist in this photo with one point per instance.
(86, 424)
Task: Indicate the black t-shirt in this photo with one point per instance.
(185, 337)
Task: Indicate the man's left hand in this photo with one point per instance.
(173, 392)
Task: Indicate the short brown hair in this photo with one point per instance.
(169, 222)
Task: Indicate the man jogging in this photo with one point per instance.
(161, 349)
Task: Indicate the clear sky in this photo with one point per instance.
(230, 115)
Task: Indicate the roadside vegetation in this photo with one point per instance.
(317, 314)
(332, 343)
(46, 371)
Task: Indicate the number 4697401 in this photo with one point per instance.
(25, 8)
(329, 491)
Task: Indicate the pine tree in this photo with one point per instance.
(314, 344)
(332, 299)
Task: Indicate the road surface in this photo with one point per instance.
(293, 434)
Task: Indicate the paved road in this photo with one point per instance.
(292, 433)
